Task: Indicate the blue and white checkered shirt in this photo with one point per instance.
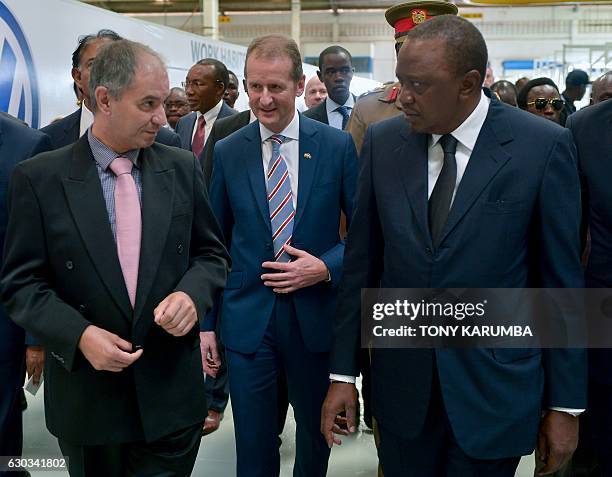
(104, 156)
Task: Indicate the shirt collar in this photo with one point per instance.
(331, 105)
(292, 131)
(468, 131)
(211, 114)
(87, 118)
(104, 155)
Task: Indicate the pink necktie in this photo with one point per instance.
(197, 144)
(128, 223)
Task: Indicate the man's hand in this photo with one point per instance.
(557, 440)
(106, 351)
(35, 362)
(340, 397)
(176, 314)
(210, 355)
(306, 270)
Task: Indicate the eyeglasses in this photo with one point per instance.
(344, 71)
(540, 103)
(196, 83)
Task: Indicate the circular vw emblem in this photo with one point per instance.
(18, 85)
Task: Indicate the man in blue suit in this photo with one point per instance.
(69, 129)
(591, 130)
(17, 143)
(463, 191)
(278, 187)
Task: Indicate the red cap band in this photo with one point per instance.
(406, 24)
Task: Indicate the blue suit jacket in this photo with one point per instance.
(184, 127)
(326, 185)
(513, 224)
(591, 130)
(66, 131)
(17, 143)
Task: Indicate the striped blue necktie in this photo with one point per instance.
(280, 200)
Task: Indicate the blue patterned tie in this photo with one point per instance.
(344, 110)
(280, 200)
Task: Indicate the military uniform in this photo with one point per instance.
(376, 105)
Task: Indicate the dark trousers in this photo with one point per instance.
(12, 370)
(435, 452)
(254, 391)
(217, 390)
(600, 418)
(171, 456)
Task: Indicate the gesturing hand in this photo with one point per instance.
(306, 270)
(176, 314)
(106, 351)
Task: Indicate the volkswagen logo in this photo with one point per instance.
(18, 85)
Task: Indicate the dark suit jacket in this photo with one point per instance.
(326, 185)
(513, 224)
(319, 112)
(61, 273)
(18, 142)
(184, 127)
(591, 128)
(66, 131)
(221, 129)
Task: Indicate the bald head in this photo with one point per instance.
(315, 92)
(602, 88)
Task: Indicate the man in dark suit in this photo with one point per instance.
(336, 72)
(205, 86)
(278, 202)
(463, 191)
(67, 130)
(17, 143)
(112, 255)
(590, 128)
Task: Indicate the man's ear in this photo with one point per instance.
(320, 76)
(103, 100)
(471, 82)
(76, 76)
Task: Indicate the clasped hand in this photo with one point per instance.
(304, 271)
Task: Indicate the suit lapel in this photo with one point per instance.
(254, 167)
(414, 173)
(157, 203)
(73, 127)
(187, 131)
(308, 162)
(487, 158)
(86, 202)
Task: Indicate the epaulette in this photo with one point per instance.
(379, 89)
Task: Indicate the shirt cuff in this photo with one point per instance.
(342, 378)
(573, 412)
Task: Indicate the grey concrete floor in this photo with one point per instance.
(355, 458)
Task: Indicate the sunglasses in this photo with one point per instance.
(540, 103)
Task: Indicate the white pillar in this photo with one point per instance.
(210, 18)
(295, 21)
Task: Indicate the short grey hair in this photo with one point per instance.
(115, 67)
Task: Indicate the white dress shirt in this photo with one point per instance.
(290, 150)
(87, 119)
(334, 117)
(210, 117)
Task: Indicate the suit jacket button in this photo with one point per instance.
(428, 251)
(179, 248)
(69, 265)
(82, 308)
(268, 246)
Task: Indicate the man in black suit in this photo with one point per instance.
(590, 128)
(17, 143)
(72, 127)
(112, 256)
(336, 72)
(205, 86)
(463, 191)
